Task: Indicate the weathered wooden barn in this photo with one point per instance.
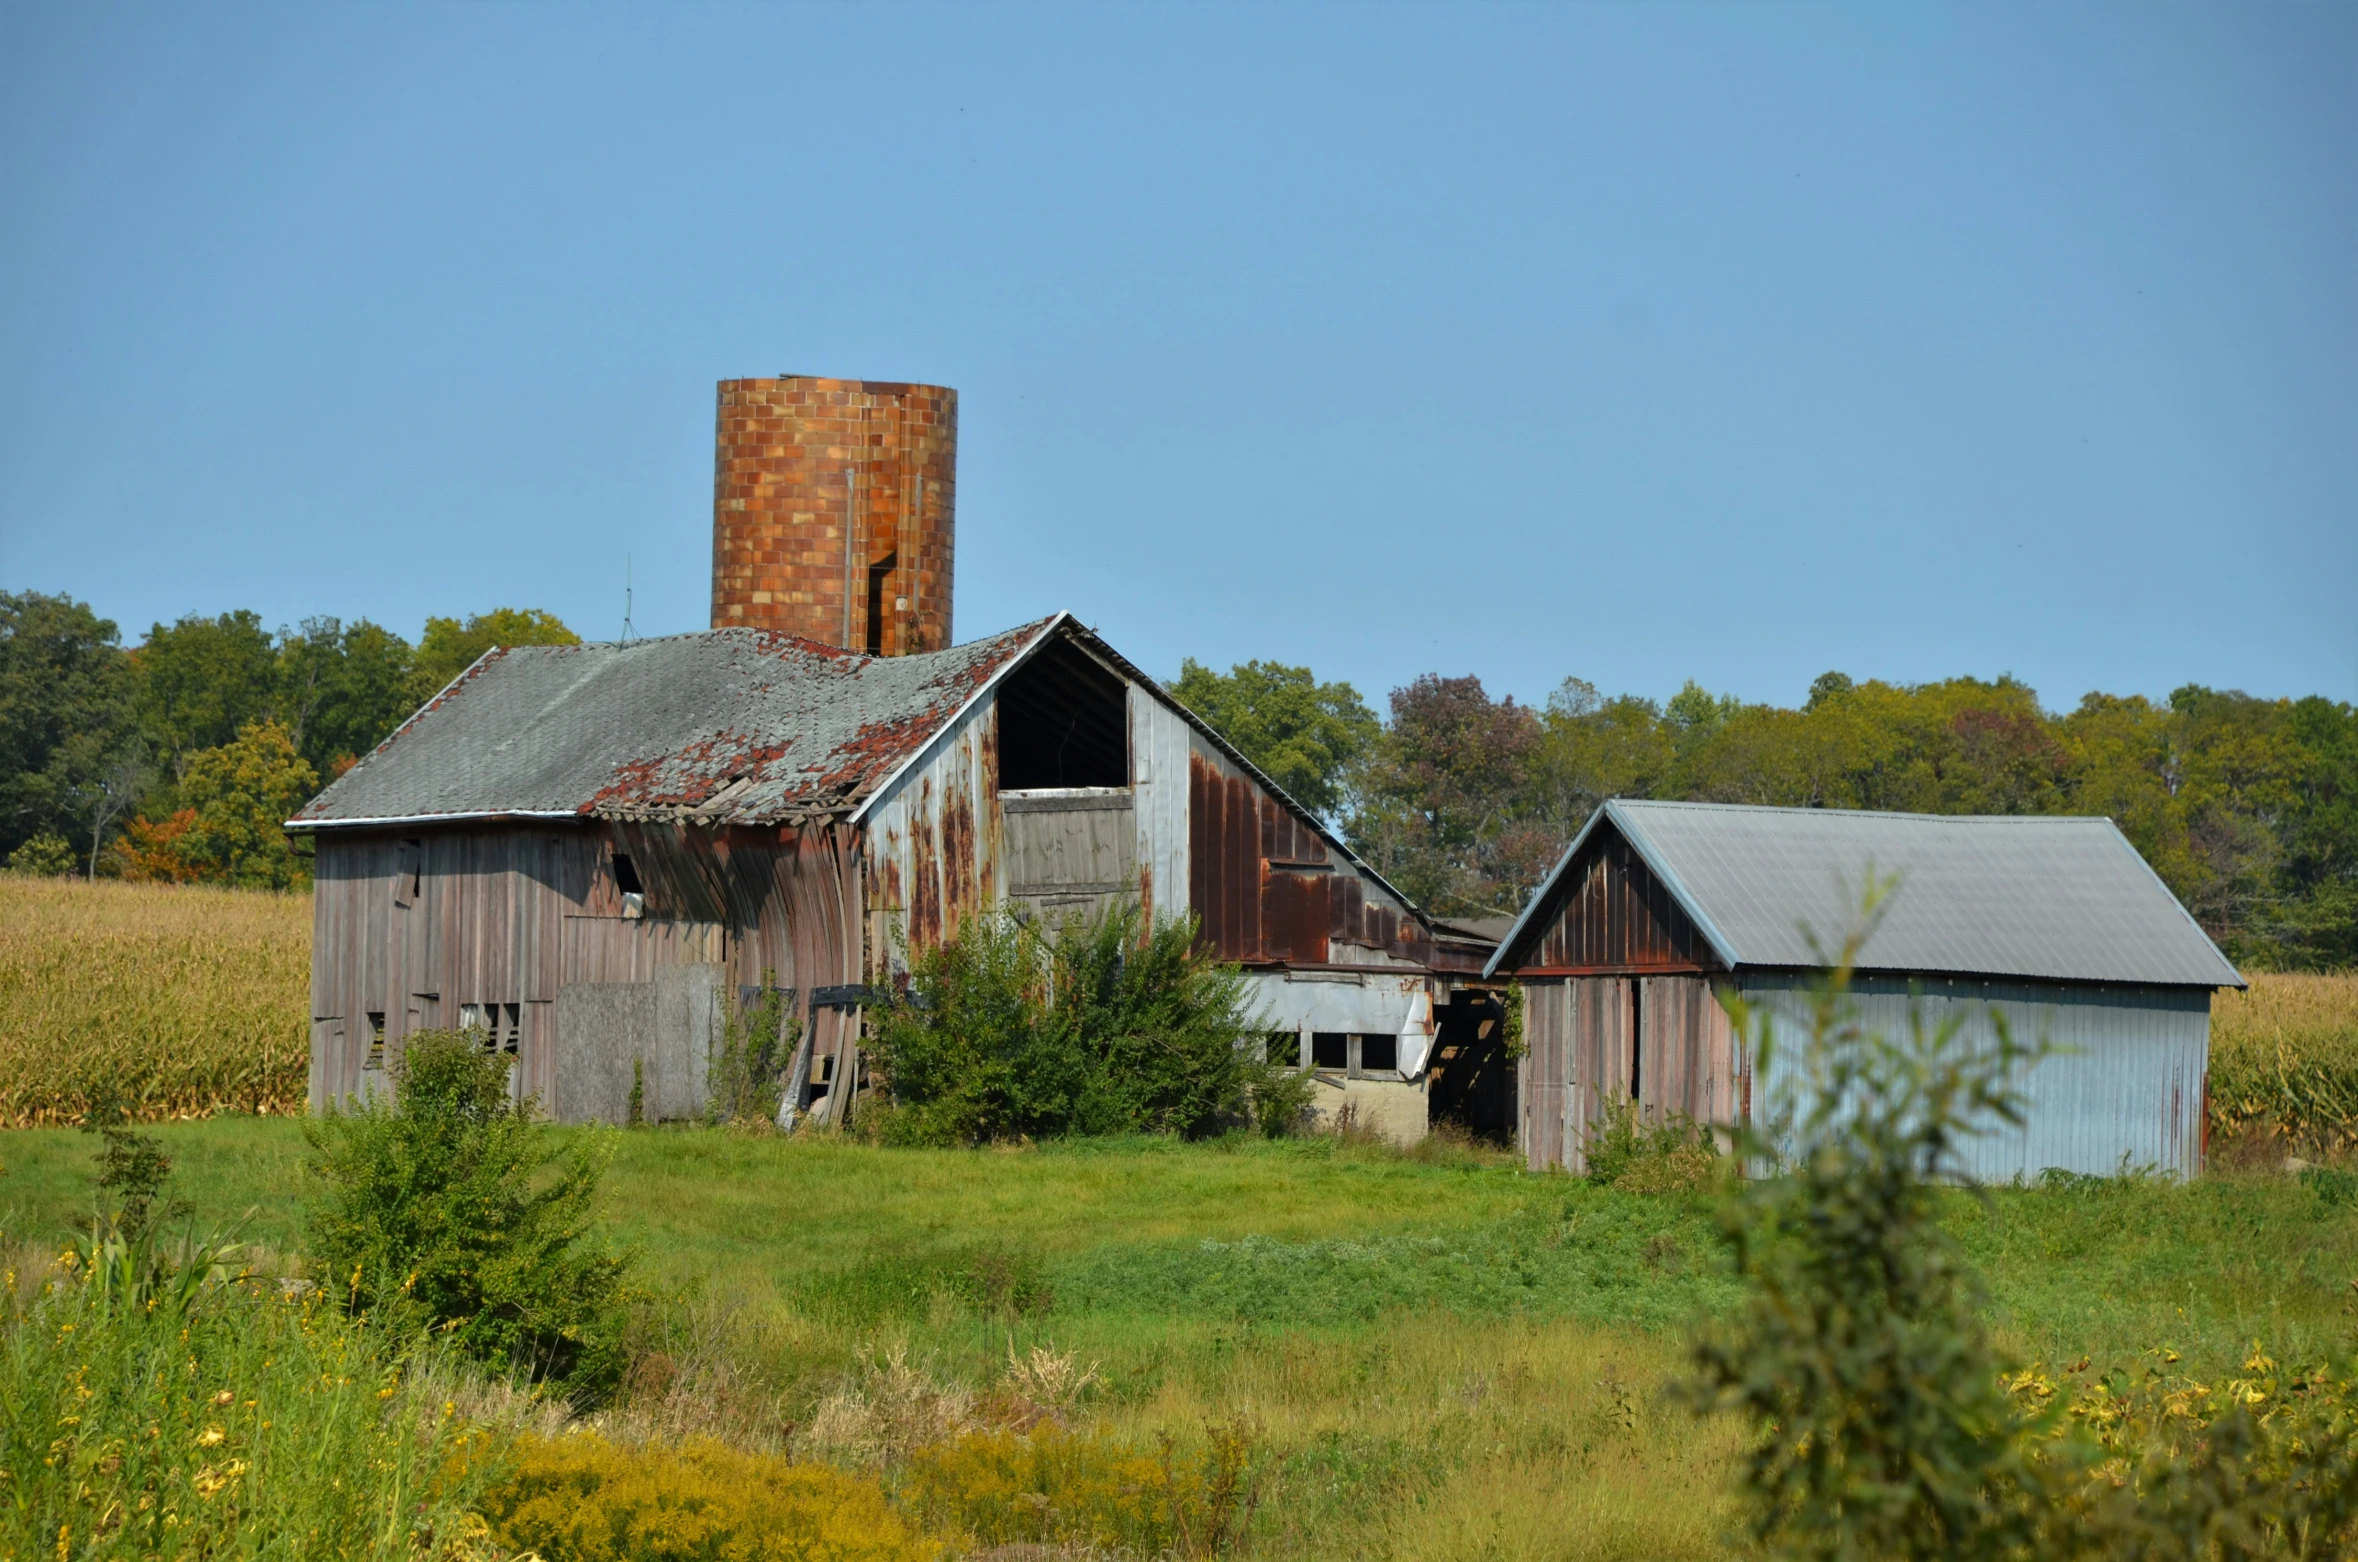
(591, 851)
(1657, 910)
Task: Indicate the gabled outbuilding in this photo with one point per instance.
(590, 852)
(1660, 911)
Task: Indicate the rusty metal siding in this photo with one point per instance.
(935, 839)
(2127, 1089)
(1268, 888)
(1160, 743)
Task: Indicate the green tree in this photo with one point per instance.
(452, 1207)
(67, 725)
(1446, 799)
(241, 795)
(450, 646)
(203, 680)
(343, 689)
(1305, 734)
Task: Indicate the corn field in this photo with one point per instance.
(183, 1001)
(2284, 1061)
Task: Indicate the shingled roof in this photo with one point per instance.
(2049, 898)
(734, 726)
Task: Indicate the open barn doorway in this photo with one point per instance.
(1472, 1079)
(1064, 721)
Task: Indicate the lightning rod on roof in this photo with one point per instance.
(627, 635)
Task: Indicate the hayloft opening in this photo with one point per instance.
(1063, 722)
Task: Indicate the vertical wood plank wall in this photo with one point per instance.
(1577, 1058)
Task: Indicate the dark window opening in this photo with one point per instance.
(1063, 721)
(376, 1039)
(626, 875)
(879, 575)
(1379, 1054)
(1472, 1080)
(1637, 1034)
(409, 874)
(1330, 1049)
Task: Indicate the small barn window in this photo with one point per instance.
(626, 879)
(879, 574)
(1379, 1054)
(1063, 722)
(409, 872)
(376, 1040)
(1330, 1049)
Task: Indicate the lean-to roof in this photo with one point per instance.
(2045, 898)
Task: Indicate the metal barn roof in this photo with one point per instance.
(2047, 898)
(733, 726)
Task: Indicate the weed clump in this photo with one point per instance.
(453, 1208)
(1053, 1487)
(1105, 1025)
(1634, 1156)
(585, 1499)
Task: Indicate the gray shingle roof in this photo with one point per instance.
(736, 726)
(2062, 899)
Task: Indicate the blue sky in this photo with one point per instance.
(1639, 343)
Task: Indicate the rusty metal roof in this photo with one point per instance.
(733, 726)
(2044, 897)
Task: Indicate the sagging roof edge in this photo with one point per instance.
(1542, 898)
(389, 821)
(1092, 644)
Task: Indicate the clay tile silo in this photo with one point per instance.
(832, 510)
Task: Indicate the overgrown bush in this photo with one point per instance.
(580, 1498)
(1052, 1487)
(1635, 1156)
(165, 1404)
(1886, 1424)
(452, 1207)
(749, 1069)
(1103, 1025)
(1861, 1356)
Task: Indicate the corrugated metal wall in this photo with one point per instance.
(935, 840)
(1160, 741)
(1613, 914)
(2127, 1088)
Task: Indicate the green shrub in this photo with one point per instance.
(453, 1208)
(43, 856)
(582, 1499)
(749, 1069)
(182, 1409)
(1861, 1357)
(1635, 1156)
(1103, 1026)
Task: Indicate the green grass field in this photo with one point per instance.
(1443, 1356)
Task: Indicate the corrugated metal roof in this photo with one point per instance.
(734, 726)
(2054, 898)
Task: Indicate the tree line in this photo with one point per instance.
(2246, 807)
(178, 758)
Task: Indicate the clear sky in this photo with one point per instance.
(1729, 342)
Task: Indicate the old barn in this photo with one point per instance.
(589, 851)
(1658, 909)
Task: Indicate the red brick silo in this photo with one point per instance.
(832, 511)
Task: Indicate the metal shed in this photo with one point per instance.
(591, 851)
(1660, 910)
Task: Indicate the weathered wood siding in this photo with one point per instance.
(1612, 914)
(414, 928)
(1586, 1036)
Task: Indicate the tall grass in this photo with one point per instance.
(2284, 1062)
(181, 1001)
